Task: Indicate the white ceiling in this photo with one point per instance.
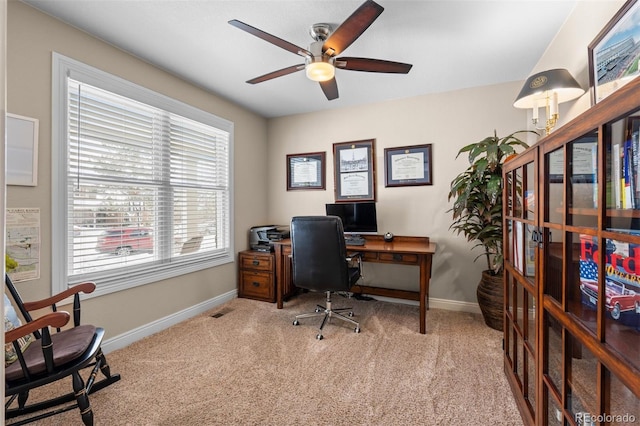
(452, 44)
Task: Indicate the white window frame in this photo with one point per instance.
(64, 68)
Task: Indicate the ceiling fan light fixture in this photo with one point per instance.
(320, 71)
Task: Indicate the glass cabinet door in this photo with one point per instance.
(521, 242)
(621, 268)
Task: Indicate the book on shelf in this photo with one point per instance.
(615, 176)
(627, 160)
(635, 167)
(624, 183)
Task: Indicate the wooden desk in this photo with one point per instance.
(416, 251)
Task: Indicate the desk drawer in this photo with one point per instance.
(258, 262)
(370, 256)
(257, 285)
(398, 257)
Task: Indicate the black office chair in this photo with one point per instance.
(320, 263)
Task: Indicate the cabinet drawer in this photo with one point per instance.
(398, 257)
(259, 262)
(257, 285)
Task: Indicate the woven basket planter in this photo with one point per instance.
(490, 295)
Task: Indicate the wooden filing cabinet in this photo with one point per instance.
(256, 275)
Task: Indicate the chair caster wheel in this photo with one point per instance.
(319, 337)
(356, 330)
(296, 322)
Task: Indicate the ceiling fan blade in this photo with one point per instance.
(372, 65)
(352, 28)
(271, 38)
(330, 89)
(274, 74)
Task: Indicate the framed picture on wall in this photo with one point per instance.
(22, 150)
(354, 170)
(614, 53)
(306, 171)
(408, 165)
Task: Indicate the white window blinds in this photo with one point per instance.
(147, 190)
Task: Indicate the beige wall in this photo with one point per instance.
(448, 121)
(32, 37)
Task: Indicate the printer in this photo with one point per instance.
(261, 237)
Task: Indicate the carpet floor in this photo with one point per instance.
(251, 366)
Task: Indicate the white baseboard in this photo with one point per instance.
(125, 339)
(449, 305)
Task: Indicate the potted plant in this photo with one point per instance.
(477, 214)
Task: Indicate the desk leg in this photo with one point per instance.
(279, 259)
(424, 285)
(425, 275)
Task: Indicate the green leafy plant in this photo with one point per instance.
(10, 263)
(477, 194)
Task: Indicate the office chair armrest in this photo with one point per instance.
(53, 319)
(86, 287)
(357, 256)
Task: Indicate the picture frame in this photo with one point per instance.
(408, 165)
(354, 171)
(306, 171)
(22, 150)
(612, 53)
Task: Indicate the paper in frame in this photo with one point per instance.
(22, 150)
(306, 171)
(354, 171)
(613, 54)
(408, 165)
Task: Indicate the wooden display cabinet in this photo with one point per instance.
(571, 359)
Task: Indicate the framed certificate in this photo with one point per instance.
(354, 171)
(408, 165)
(306, 171)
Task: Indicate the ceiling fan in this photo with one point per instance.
(320, 58)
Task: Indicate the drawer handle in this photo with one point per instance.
(256, 262)
(397, 257)
(255, 284)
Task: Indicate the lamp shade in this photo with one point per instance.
(540, 85)
(320, 71)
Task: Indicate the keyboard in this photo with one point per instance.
(355, 241)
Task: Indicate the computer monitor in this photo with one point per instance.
(357, 218)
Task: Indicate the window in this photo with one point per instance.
(141, 183)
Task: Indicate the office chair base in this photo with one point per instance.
(328, 313)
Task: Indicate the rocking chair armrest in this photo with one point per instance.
(53, 319)
(86, 287)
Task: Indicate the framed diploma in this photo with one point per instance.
(354, 171)
(306, 171)
(408, 165)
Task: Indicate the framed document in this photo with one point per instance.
(22, 150)
(354, 171)
(408, 165)
(306, 171)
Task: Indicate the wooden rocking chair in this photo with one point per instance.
(52, 355)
